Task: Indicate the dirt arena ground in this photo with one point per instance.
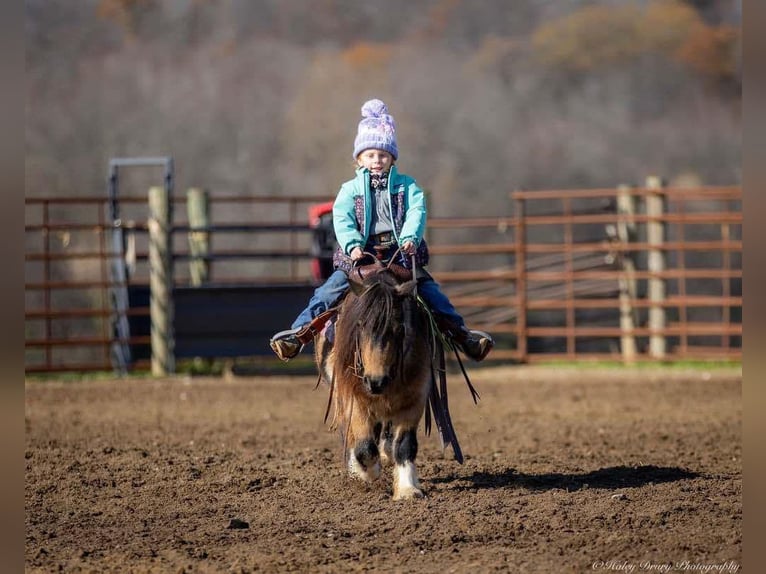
(566, 470)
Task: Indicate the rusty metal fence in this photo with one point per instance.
(681, 288)
(570, 274)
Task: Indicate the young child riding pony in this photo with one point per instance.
(380, 211)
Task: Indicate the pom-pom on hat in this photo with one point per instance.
(376, 130)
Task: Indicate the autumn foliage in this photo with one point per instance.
(599, 36)
(263, 97)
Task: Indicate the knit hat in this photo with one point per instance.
(376, 130)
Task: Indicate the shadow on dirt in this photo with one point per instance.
(610, 478)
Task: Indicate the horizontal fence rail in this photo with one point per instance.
(563, 274)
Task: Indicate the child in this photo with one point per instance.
(379, 211)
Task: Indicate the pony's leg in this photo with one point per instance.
(405, 450)
(386, 443)
(364, 460)
(363, 455)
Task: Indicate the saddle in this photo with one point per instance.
(356, 276)
(359, 272)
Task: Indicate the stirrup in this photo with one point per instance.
(481, 344)
(286, 344)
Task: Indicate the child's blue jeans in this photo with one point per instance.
(327, 295)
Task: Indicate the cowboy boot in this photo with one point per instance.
(474, 344)
(286, 344)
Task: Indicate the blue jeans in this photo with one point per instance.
(324, 297)
(327, 295)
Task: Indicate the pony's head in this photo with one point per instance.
(377, 329)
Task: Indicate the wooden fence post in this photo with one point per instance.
(197, 205)
(626, 233)
(521, 281)
(161, 283)
(655, 236)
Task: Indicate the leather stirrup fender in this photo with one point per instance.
(310, 331)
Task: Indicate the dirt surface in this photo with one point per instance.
(576, 470)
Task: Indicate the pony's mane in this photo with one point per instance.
(374, 309)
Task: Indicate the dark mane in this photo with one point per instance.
(377, 311)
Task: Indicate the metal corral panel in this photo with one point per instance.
(223, 321)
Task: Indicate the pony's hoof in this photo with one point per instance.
(408, 494)
(359, 472)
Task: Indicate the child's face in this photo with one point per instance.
(376, 160)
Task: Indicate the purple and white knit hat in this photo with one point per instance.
(376, 130)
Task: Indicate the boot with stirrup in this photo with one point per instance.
(286, 344)
(475, 344)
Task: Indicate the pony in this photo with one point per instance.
(380, 369)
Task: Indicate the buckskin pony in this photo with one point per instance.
(381, 369)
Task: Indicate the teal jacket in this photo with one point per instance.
(351, 213)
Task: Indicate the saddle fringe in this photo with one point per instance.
(437, 407)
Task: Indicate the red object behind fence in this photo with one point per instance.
(323, 242)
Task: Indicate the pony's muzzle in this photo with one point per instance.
(376, 385)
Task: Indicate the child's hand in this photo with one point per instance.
(409, 248)
(356, 253)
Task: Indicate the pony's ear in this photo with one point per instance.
(407, 287)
